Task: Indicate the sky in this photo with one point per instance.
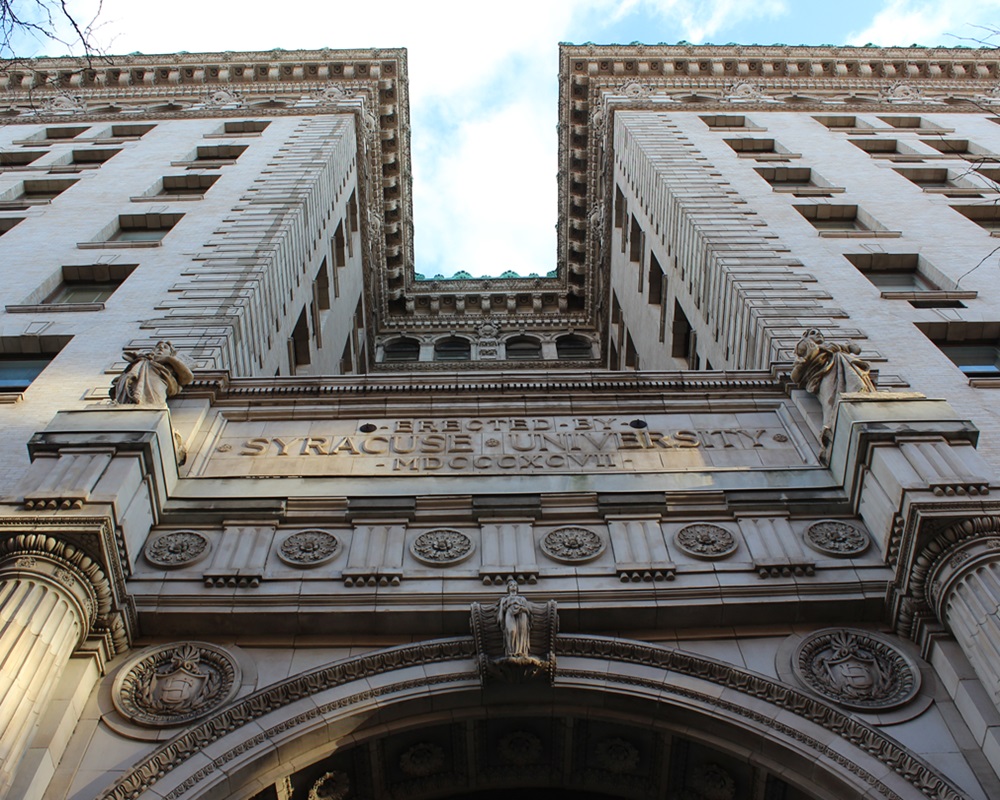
(483, 82)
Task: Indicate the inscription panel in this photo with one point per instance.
(502, 445)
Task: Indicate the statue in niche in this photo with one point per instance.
(514, 618)
(828, 370)
(152, 376)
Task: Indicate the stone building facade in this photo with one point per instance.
(705, 513)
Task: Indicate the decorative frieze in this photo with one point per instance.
(176, 549)
(572, 545)
(309, 548)
(442, 547)
(706, 541)
(837, 538)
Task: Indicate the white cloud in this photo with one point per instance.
(956, 22)
(700, 21)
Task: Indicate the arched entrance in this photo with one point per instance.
(615, 718)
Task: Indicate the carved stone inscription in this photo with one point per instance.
(502, 445)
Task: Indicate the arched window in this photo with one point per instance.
(452, 348)
(402, 349)
(523, 348)
(572, 346)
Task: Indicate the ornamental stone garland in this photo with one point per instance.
(856, 669)
(422, 760)
(310, 548)
(441, 547)
(616, 755)
(572, 544)
(837, 538)
(330, 786)
(706, 541)
(175, 684)
(176, 549)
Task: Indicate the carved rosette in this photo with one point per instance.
(422, 760)
(616, 755)
(706, 541)
(176, 549)
(331, 786)
(441, 547)
(311, 548)
(520, 748)
(856, 669)
(836, 538)
(572, 545)
(175, 684)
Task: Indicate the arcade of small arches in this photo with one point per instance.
(509, 347)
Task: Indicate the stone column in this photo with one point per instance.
(47, 603)
(963, 587)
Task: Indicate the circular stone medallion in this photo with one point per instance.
(441, 547)
(572, 544)
(706, 541)
(856, 669)
(309, 548)
(176, 549)
(176, 684)
(833, 537)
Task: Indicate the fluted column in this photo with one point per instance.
(964, 589)
(46, 607)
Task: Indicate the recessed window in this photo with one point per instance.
(42, 191)
(130, 131)
(973, 347)
(800, 181)
(56, 134)
(402, 349)
(724, 121)
(877, 146)
(960, 148)
(7, 223)
(20, 158)
(523, 348)
(452, 348)
(985, 216)
(838, 122)
(246, 126)
(573, 347)
(980, 360)
(836, 218)
(22, 359)
(910, 123)
(88, 284)
(97, 155)
(141, 229)
(186, 185)
(892, 272)
(752, 145)
(220, 154)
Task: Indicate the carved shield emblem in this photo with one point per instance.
(179, 689)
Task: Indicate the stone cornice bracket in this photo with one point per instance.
(515, 638)
(96, 590)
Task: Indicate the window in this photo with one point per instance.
(452, 348)
(725, 121)
(402, 349)
(683, 341)
(973, 347)
(130, 131)
(657, 282)
(635, 241)
(892, 272)
(839, 123)
(218, 155)
(44, 190)
(985, 216)
(186, 185)
(298, 345)
(752, 145)
(6, 223)
(978, 360)
(247, 126)
(97, 155)
(960, 148)
(89, 283)
(523, 348)
(55, 134)
(20, 158)
(573, 347)
(800, 181)
(841, 220)
(135, 230)
(17, 372)
(22, 359)
(911, 123)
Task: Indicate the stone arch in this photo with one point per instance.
(263, 737)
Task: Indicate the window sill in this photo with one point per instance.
(808, 191)
(955, 191)
(10, 397)
(249, 135)
(45, 308)
(929, 295)
(762, 156)
(115, 245)
(984, 383)
(207, 164)
(167, 198)
(860, 234)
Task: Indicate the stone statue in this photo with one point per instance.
(514, 618)
(152, 376)
(828, 370)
